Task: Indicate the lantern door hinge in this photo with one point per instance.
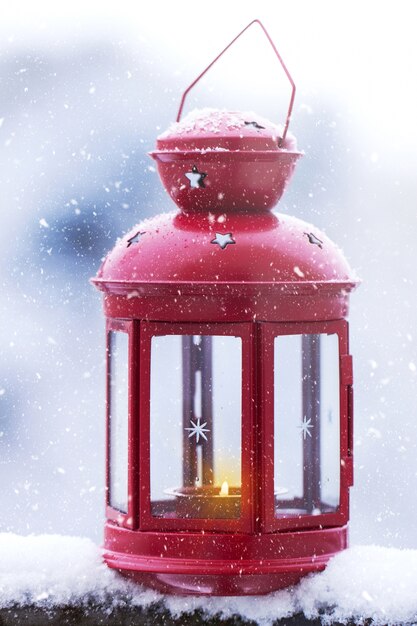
(346, 369)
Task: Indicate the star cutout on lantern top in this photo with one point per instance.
(196, 178)
(134, 239)
(315, 240)
(223, 240)
(255, 125)
(305, 427)
(198, 430)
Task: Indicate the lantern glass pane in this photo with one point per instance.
(330, 423)
(306, 425)
(195, 426)
(119, 411)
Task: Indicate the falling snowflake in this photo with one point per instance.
(305, 427)
(198, 430)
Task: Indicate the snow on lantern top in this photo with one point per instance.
(205, 130)
(218, 160)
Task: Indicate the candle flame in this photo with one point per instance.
(224, 491)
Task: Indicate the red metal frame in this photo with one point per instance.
(146, 520)
(267, 333)
(258, 470)
(256, 553)
(257, 444)
(129, 519)
(221, 563)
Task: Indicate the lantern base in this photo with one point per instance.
(219, 585)
(219, 563)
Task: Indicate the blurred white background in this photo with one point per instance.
(85, 89)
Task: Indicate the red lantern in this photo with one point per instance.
(229, 375)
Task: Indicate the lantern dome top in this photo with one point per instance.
(225, 160)
(240, 250)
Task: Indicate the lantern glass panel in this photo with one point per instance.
(195, 426)
(118, 420)
(306, 425)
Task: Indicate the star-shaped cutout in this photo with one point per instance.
(196, 178)
(198, 430)
(134, 239)
(223, 240)
(255, 125)
(315, 240)
(306, 427)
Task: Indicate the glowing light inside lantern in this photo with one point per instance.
(224, 491)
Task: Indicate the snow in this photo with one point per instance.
(360, 583)
(219, 121)
(209, 120)
(56, 570)
(49, 571)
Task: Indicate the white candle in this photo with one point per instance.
(224, 491)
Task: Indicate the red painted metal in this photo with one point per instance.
(228, 148)
(221, 563)
(275, 275)
(273, 252)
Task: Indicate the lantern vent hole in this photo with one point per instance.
(255, 125)
(314, 240)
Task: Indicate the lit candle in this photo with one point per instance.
(207, 501)
(224, 491)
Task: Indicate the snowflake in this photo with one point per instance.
(198, 430)
(305, 427)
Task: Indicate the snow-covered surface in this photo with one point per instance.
(56, 570)
(209, 121)
(364, 582)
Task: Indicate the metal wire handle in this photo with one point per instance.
(290, 107)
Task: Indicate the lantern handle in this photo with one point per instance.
(290, 107)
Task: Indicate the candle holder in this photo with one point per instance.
(206, 502)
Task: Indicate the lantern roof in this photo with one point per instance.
(188, 251)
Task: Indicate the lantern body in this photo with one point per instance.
(228, 362)
(229, 379)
